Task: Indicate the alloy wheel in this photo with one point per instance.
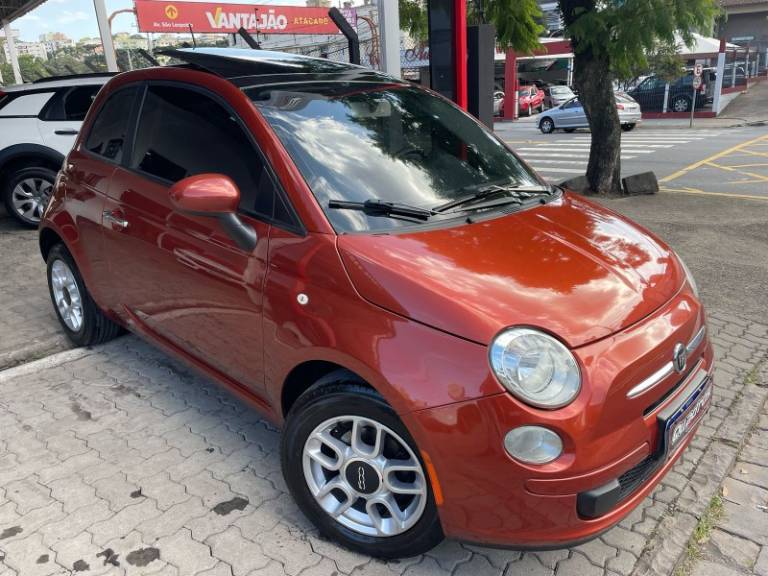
(30, 197)
(66, 295)
(365, 476)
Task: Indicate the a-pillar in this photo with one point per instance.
(12, 52)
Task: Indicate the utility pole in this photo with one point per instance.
(12, 52)
(105, 32)
(389, 25)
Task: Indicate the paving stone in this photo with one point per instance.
(577, 565)
(345, 560)
(624, 539)
(30, 557)
(242, 555)
(123, 522)
(136, 556)
(745, 494)
(294, 554)
(498, 557)
(78, 554)
(28, 494)
(31, 522)
(208, 488)
(165, 492)
(623, 563)
(221, 569)
(745, 521)
(740, 551)
(597, 551)
(186, 554)
(707, 568)
(72, 492)
(478, 565)
(75, 522)
(449, 554)
(529, 565)
(173, 519)
(116, 490)
(761, 565)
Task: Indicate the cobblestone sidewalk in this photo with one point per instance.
(29, 326)
(118, 460)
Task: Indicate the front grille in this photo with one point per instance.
(635, 477)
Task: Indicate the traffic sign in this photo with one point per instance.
(696, 82)
(698, 70)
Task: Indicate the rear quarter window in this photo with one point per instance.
(24, 104)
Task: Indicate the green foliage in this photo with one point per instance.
(516, 21)
(626, 32)
(413, 19)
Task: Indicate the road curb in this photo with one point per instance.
(43, 363)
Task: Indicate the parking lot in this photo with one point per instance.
(119, 460)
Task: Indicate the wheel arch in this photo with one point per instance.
(21, 156)
(311, 373)
(47, 239)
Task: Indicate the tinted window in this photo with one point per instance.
(71, 104)
(107, 137)
(388, 142)
(183, 133)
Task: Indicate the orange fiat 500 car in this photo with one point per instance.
(452, 346)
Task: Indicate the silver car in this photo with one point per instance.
(554, 96)
(571, 115)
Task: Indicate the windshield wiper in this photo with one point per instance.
(510, 192)
(381, 208)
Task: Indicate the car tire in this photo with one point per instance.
(327, 410)
(681, 104)
(83, 322)
(547, 125)
(628, 127)
(26, 193)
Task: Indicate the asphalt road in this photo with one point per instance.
(714, 161)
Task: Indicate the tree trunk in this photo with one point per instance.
(592, 78)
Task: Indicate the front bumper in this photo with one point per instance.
(488, 497)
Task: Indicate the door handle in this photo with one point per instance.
(67, 132)
(115, 218)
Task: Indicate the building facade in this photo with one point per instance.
(746, 23)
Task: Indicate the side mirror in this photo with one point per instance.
(215, 196)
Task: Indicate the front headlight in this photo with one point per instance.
(535, 367)
(689, 276)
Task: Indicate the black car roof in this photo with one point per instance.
(246, 68)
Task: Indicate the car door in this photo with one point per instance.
(60, 121)
(571, 115)
(181, 278)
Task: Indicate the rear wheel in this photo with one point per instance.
(26, 194)
(547, 126)
(83, 322)
(356, 473)
(681, 104)
(628, 127)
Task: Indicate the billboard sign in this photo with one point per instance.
(209, 17)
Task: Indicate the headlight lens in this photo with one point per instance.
(689, 276)
(535, 367)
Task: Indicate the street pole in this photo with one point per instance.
(693, 103)
(12, 52)
(106, 35)
(389, 24)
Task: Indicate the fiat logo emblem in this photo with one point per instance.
(679, 357)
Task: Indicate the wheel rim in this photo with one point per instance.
(365, 476)
(30, 197)
(66, 295)
(681, 106)
(547, 125)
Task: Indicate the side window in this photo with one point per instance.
(70, 104)
(108, 133)
(25, 104)
(78, 101)
(182, 133)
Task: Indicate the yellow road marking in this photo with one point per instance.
(758, 177)
(754, 153)
(696, 191)
(748, 165)
(712, 158)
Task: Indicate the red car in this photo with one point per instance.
(530, 99)
(452, 346)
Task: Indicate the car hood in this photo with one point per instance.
(570, 267)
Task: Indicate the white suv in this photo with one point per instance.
(38, 126)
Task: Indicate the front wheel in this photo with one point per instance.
(356, 473)
(26, 194)
(83, 322)
(547, 126)
(628, 127)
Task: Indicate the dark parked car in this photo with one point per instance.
(650, 94)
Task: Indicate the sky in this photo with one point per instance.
(77, 19)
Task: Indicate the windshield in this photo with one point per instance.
(387, 142)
